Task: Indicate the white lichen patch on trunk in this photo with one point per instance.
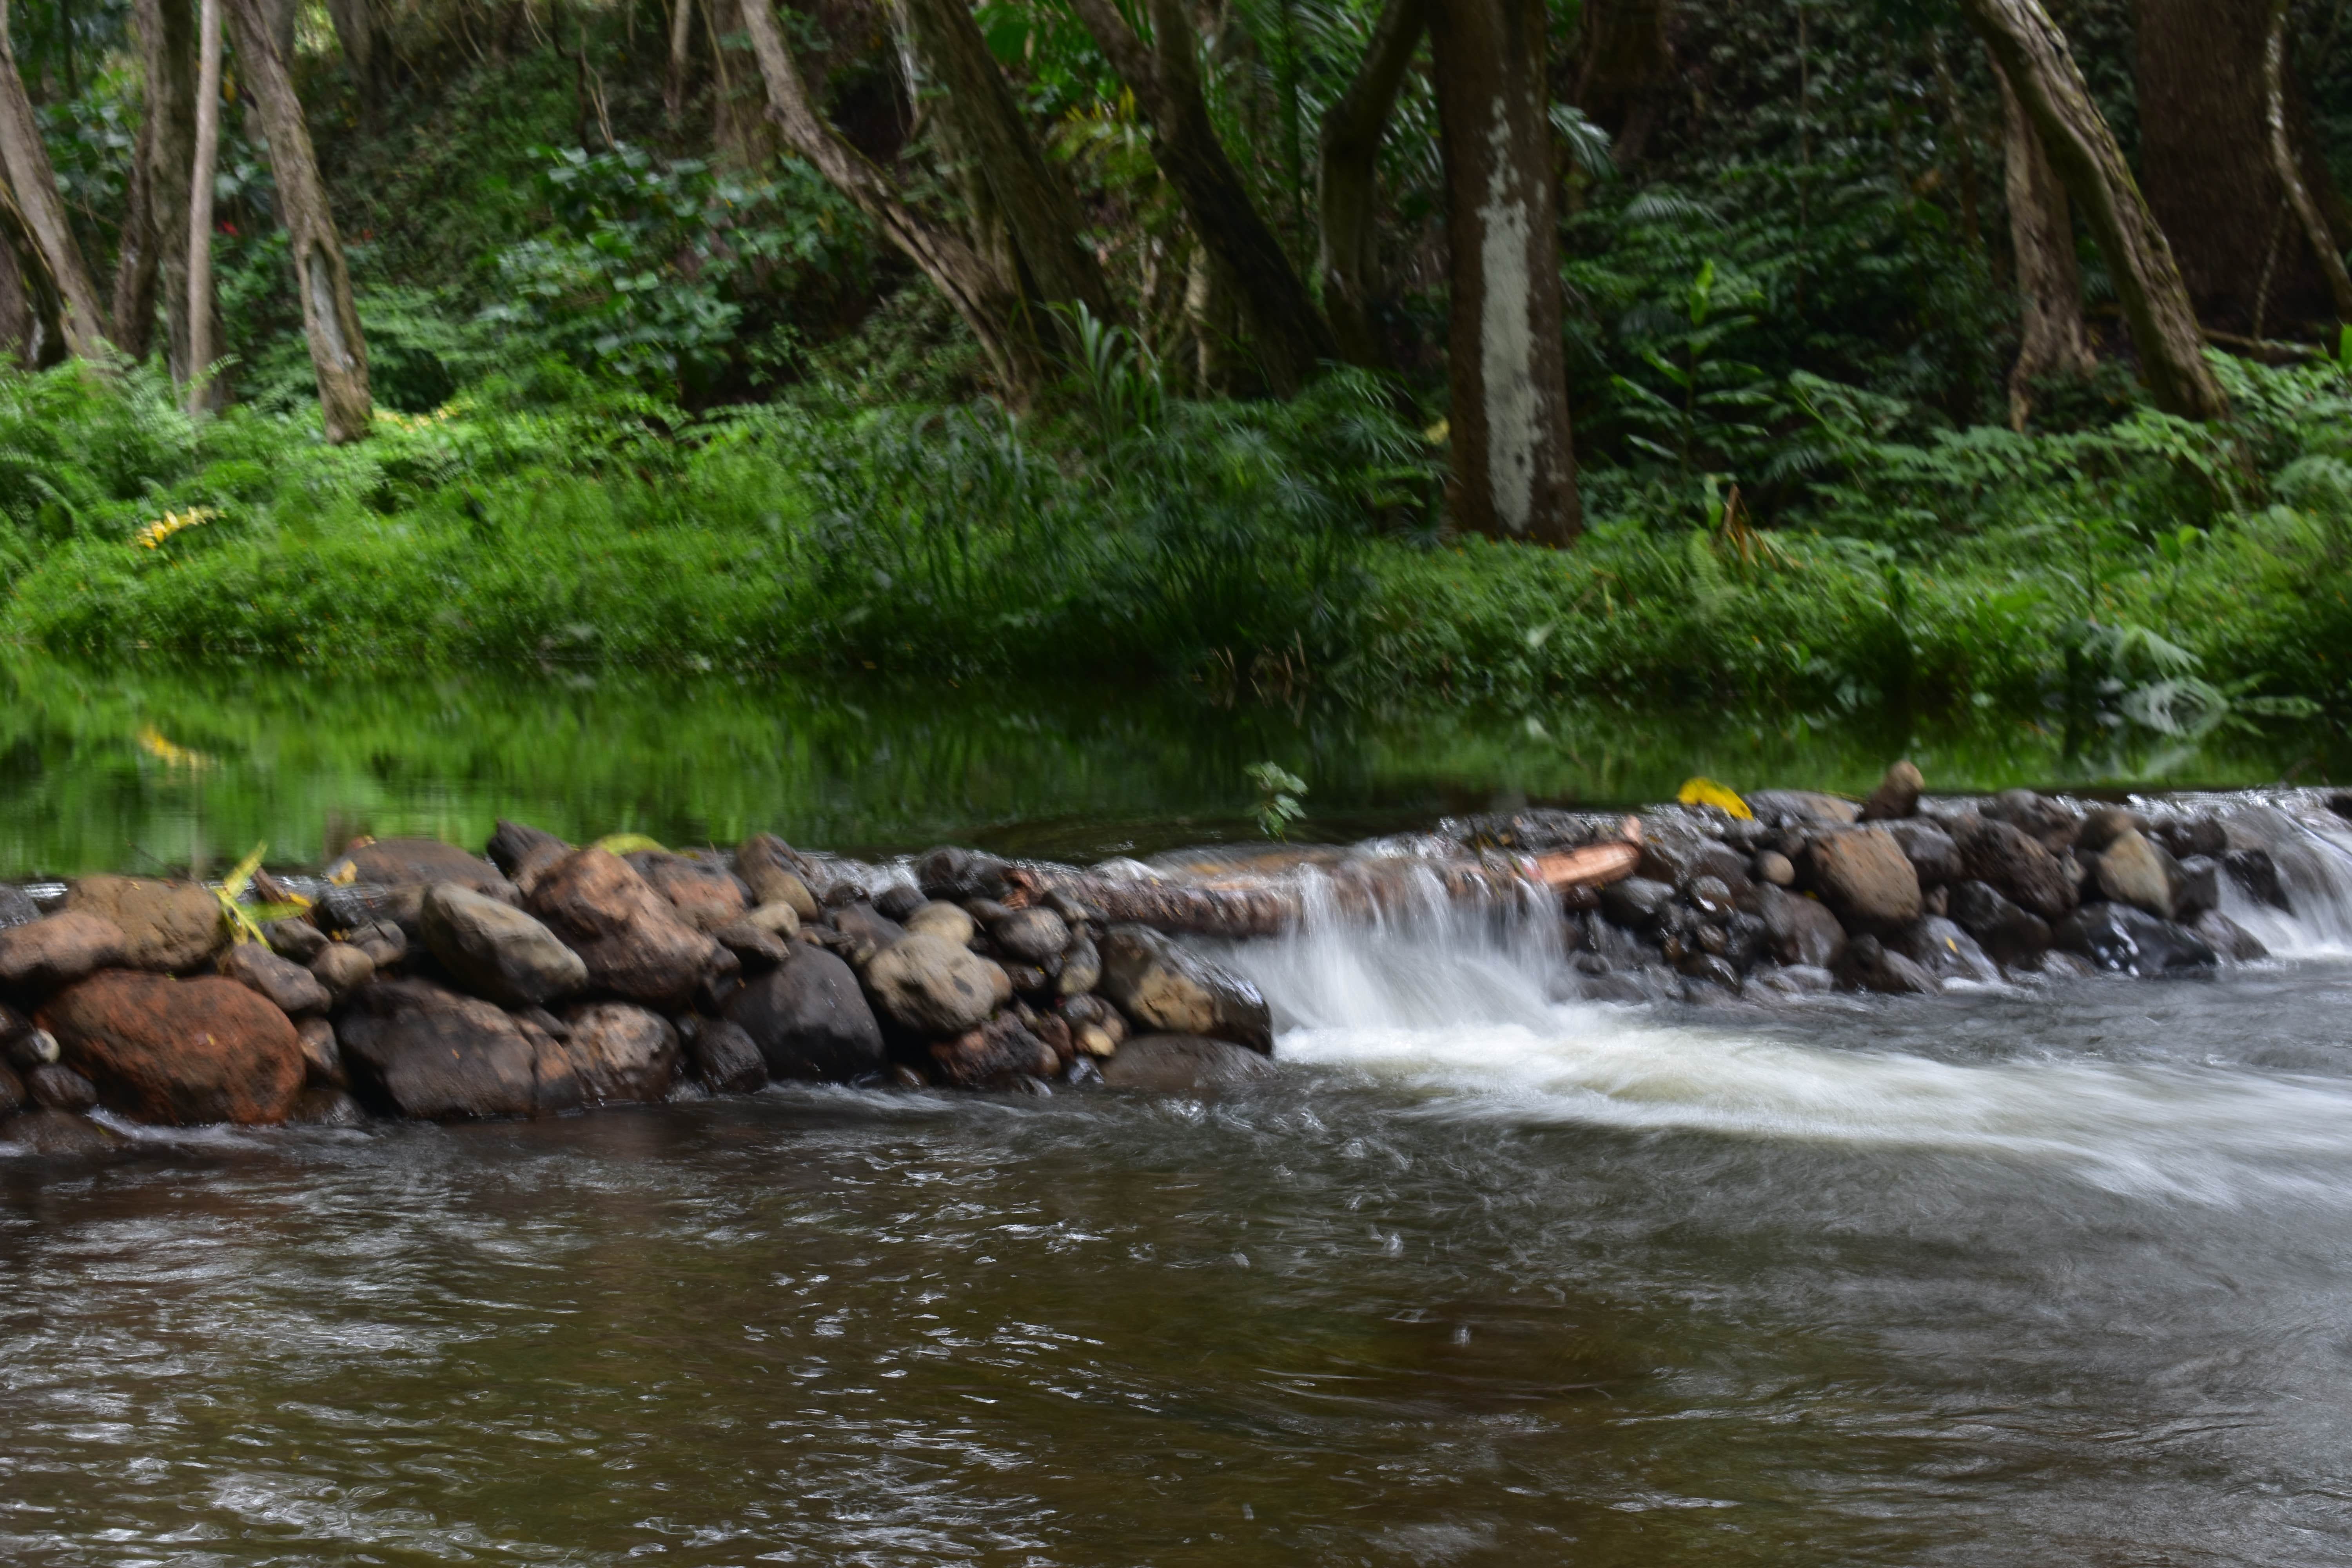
(1506, 338)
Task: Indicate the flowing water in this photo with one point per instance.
(2010, 1276)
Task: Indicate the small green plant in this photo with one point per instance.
(1278, 790)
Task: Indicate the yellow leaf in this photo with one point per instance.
(1706, 792)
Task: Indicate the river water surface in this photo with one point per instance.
(2014, 1276)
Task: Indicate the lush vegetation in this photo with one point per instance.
(651, 392)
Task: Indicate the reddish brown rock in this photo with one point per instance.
(416, 1049)
(179, 1051)
(58, 951)
(170, 927)
(620, 1053)
(704, 896)
(634, 943)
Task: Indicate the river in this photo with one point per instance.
(2010, 1276)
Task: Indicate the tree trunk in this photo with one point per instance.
(206, 166)
(354, 24)
(134, 261)
(987, 303)
(2052, 342)
(681, 59)
(1627, 64)
(1514, 463)
(33, 310)
(2206, 158)
(1348, 184)
(1032, 202)
(34, 182)
(2032, 53)
(1291, 338)
(167, 51)
(2283, 164)
(330, 321)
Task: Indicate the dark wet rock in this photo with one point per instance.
(2023, 870)
(2197, 890)
(2103, 824)
(14, 1026)
(1945, 951)
(754, 946)
(776, 873)
(705, 896)
(297, 941)
(1791, 980)
(1896, 796)
(17, 906)
(168, 927)
(2227, 937)
(2134, 870)
(419, 863)
(53, 1085)
(810, 1020)
(930, 986)
(1937, 901)
(1869, 965)
(31, 1047)
(2049, 822)
(2193, 836)
(1864, 876)
(1779, 807)
(1711, 969)
(898, 900)
(862, 931)
(1033, 935)
(1772, 866)
(956, 875)
(1609, 987)
(56, 951)
(1710, 896)
(497, 951)
(1636, 901)
(2008, 932)
(524, 854)
(58, 1135)
(620, 1052)
(179, 1051)
(1095, 1027)
(1800, 930)
(2057, 965)
(631, 939)
(323, 1105)
(941, 920)
(386, 942)
(291, 988)
(545, 1022)
(342, 969)
(1030, 980)
(1081, 968)
(355, 912)
(13, 1095)
(726, 1057)
(420, 1050)
(997, 1055)
(1933, 857)
(2129, 941)
(1183, 1064)
(1172, 990)
(322, 1056)
(2257, 876)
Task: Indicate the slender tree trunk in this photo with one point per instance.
(329, 320)
(35, 182)
(1347, 182)
(354, 24)
(40, 328)
(1290, 336)
(2290, 174)
(1514, 463)
(681, 59)
(1057, 266)
(2053, 341)
(2033, 55)
(1627, 64)
(134, 262)
(988, 303)
(167, 48)
(205, 167)
(2208, 162)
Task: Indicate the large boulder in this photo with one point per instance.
(928, 986)
(1933, 855)
(629, 936)
(2227, 937)
(2257, 875)
(179, 1051)
(621, 1052)
(1169, 989)
(1183, 1064)
(1800, 930)
(421, 1050)
(1864, 876)
(497, 951)
(941, 920)
(726, 1057)
(291, 988)
(419, 863)
(810, 1020)
(2019, 867)
(170, 927)
(47, 953)
(2133, 870)
(705, 896)
(2008, 932)
(2129, 941)
(1033, 935)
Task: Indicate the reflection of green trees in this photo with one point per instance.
(132, 768)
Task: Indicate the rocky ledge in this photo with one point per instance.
(420, 981)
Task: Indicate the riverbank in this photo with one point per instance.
(409, 979)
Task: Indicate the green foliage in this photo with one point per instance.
(1278, 790)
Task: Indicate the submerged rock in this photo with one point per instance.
(1946, 951)
(2257, 875)
(2227, 937)
(1183, 1064)
(53, 1085)
(58, 1135)
(181, 1052)
(1870, 966)
(2125, 940)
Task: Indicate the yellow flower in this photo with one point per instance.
(172, 523)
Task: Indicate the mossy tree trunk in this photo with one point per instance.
(2052, 342)
(34, 182)
(1348, 184)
